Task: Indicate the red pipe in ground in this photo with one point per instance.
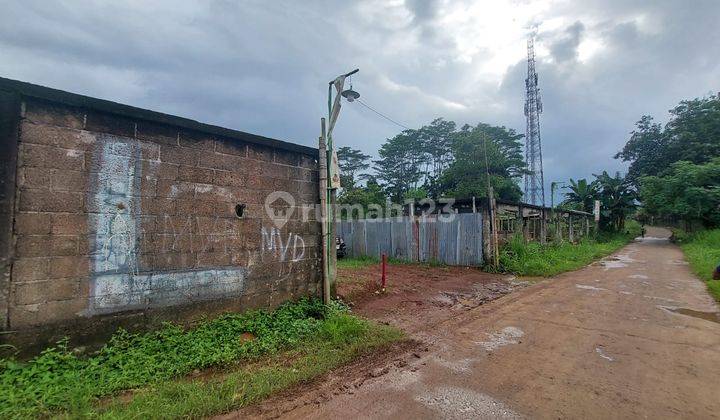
(384, 263)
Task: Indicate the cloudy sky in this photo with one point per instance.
(263, 66)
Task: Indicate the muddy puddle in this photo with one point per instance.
(481, 294)
(708, 316)
(616, 261)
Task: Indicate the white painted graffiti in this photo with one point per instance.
(119, 246)
(115, 205)
(119, 280)
(273, 242)
(215, 234)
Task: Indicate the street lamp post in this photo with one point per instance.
(333, 178)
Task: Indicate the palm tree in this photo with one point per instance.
(617, 197)
(582, 195)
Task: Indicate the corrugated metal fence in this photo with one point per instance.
(457, 241)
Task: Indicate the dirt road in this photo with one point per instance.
(602, 342)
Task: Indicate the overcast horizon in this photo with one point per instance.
(263, 68)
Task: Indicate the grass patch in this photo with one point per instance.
(534, 259)
(366, 261)
(702, 250)
(357, 262)
(295, 342)
(338, 341)
(429, 263)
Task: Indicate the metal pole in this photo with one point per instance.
(330, 196)
(330, 220)
(331, 232)
(384, 264)
(323, 214)
(553, 216)
(494, 227)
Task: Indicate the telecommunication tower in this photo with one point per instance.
(534, 181)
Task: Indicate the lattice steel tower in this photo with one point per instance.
(534, 181)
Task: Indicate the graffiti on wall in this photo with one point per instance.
(117, 281)
(289, 247)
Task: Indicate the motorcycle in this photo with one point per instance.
(340, 247)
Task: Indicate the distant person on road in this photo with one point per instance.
(642, 230)
(716, 273)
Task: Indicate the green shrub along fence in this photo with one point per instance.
(534, 259)
(702, 250)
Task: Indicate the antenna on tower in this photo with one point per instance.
(534, 180)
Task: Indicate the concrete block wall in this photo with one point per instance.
(120, 219)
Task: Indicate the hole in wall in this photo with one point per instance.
(239, 210)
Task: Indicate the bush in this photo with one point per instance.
(533, 259)
(59, 379)
(702, 250)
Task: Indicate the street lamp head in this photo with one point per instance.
(350, 94)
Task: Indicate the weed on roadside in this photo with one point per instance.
(356, 262)
(702, 250)
(533, 259)
(59, 381)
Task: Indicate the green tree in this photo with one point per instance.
(438, 160)
(415, 194)
(358, 200)
(436, 142)
(646, 149)
(473, 147)
(617, 200)
(351, 162)
(400, 165)
(692, 134)
(510, 144)
(688, 192)
(581, 195)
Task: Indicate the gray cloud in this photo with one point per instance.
(565, 47)
(263, 67)
(423, 10)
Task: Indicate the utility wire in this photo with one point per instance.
(382, 115)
